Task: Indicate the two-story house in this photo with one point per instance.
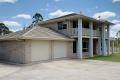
(69, 36)
(91, 36)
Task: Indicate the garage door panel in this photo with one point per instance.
(45, 50)
(40, 50)
(60, 49)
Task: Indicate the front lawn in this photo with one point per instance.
(113, 58)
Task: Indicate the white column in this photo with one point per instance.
(79, 46)
(108, 35)
(91, 40)
(104, 50)
(99, 43)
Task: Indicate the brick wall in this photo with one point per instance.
(13, 51)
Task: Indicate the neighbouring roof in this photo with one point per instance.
(37, 33)
(76, 15)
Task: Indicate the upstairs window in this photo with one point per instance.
(62, 26)
(85, 24)
(59, 25)
(75, 24)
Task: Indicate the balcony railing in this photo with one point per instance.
(96, 33)
(74, 32)
(85, 32)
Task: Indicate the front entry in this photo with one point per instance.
(85, 47)
(95, 46)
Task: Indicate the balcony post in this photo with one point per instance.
(104, 50)
(91, 39)
(108, 36)
(79, 45)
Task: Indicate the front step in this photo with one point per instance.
(85, 56)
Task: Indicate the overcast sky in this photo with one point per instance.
(18, 13)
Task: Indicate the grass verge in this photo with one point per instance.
(113, 58)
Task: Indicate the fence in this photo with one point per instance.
(115, 49)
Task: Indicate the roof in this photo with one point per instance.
(76, 15)
(37, 33)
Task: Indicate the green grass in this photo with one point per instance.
(113, 58)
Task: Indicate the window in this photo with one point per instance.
(75, 24)
(59, 25)
(95, 27)
(85, 24)
(74, 47)
(85, 46)
(62, 25)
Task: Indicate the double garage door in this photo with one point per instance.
(47, 50)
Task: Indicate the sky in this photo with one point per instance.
(17, 14)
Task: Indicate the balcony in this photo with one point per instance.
(86, 32)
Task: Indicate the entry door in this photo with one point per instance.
(85, 46)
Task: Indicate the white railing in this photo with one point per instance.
(74, 31)
(96, 33)
(86, 32)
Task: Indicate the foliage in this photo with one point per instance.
(117, 40)
(4, 29)
(36, 19)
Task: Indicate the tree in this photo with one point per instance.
(117, 40)
(4, 29)
(118, 34)
(37, 18)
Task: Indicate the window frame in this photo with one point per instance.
(86, 47)
(62, 25)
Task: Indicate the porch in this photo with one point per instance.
(86, 47)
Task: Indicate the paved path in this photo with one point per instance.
(62, 70)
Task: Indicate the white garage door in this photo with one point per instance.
(40, 50)
(59, 49)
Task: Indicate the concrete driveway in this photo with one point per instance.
(62, 70)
